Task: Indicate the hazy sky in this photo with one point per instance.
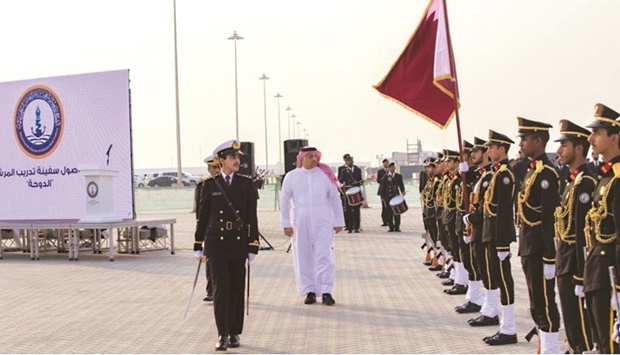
(543, 60)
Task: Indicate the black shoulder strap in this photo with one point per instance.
(232, 208)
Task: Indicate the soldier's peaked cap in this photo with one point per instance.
(604, 117)
(479, 143)
(569, 130)
(451, 154)
(498, 138)
(232, 146)
(209, 160)
(528, 126)
(467, 147)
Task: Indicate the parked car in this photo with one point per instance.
(140, 180)
(165, 180)
(188, 179)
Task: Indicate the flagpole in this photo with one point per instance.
(456, 104)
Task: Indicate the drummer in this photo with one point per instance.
(392, 186)
(350, 176)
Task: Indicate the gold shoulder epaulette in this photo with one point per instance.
(616, 168)
(504, 167)
(539, 166)
(245, 176)
(555, 172)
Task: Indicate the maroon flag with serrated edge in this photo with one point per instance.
(422, 79)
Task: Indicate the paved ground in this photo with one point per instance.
(387, 301)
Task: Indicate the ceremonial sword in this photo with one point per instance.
(193, 289)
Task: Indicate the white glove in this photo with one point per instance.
(579, 291)
(251, 257)
(614, 302)
(465, 221)
(463, 167)
(466, 239)
(615, 336)
(549, 271)
(198, 253)
(502, 255)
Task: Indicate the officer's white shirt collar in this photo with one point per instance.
(224, 176)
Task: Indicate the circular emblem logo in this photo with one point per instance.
(485, 184)
(92, 189)
(544, 184)
(584, 197)
(39, 121)
(236, 145)
(506, 180)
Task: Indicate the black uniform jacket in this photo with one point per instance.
(476, 217)
(452, 188)
(498, 226)
(225, 237)
(602, 237)
(428, 197)
(350, 178)
(570, 223)
(380, 174)
(536, 205)
(390, 186)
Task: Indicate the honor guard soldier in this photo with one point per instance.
(603, 220)
(497, 234)
(437, 190)
(474, 296)
(350, 176)
(570, 219)
(452, 188)
(384, 208)
(392, 186)
(474, 223)
(536, 206)
(428, 203)
(228, 219)
(442, 176)
(214, 169)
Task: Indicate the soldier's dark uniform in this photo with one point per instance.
(392, 186)
(497, 234)
(570, 219)
(438, 196)
(351, 179)
(475, 219)
(428, 199)
(536, 205)
(603, 220)
(227, 243)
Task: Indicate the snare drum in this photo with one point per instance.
(354, 196)
(398, 205)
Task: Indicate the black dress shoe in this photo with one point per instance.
(384, 225)
(457, 290)
(448, 282)
(328, 299)
(468, 307)
(428, 263)
(502, 339)
(357, 231)
(209, 298)
(234, 341)
(350, 231)
(483, 320)
(444, 275)
(435, 268)
(489, 337)
(310, 298)
(390, 230)
(397, 230)
(222, 343)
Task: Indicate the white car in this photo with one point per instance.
(187, 178)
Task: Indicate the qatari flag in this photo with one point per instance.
(421, 78)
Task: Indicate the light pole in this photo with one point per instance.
(264, 78)
(236, 37)
(278, 96)
(176, 97)
(288, 122)
(293, 117)
(298, 134)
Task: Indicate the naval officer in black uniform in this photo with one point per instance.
(392, 186)
(604, 221)
(570, 220)
(384, 208)
(231, 232)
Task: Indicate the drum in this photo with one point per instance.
(354, 196)
(398, 205)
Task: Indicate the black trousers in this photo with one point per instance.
(209, 278)
(442, 235)
(500, 274)
(543, 308)
(453, 239)
(576, 322)
(384, 212)
(228, 286)
(601, 318)
(352, 217)
(467, 258)
(479, 261)
(431, 228)
(393, 220)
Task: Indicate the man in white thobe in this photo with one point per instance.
(311, 213)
